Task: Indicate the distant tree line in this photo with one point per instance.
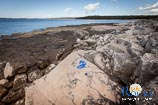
(121, 17)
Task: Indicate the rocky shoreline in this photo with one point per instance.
(127, 53)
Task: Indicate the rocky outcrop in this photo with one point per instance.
(75, 83)
(124, 53)
(128, 57)
(25, 58)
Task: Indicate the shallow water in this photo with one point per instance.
(9, 26)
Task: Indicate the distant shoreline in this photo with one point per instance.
(121, 17)
(28, 25)
(100, 17)
(52, 28)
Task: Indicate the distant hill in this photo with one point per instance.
(121, 17)
(99, 17)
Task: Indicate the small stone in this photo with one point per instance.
(20, 102)
(8, 70)
(3, 82)
(19, 81)
(34, 75)
(50, 67)
(42, 64)
(90, 42)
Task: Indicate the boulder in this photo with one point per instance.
(76, 81)
(149, 67)
(8, 71)
(81, 42)
(152, 43)
(90, 42)
(136, 43)
(121, 60)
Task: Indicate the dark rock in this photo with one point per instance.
(149, 67)
(2, 103)
(42, 64)
(22, 69)
(34, 75)
(4, 82)
(151, 87)
(121, 59)
(91, 101)
(13, 96)
(2, 65)
(25, 51)
(3, 91)
(19, 81)
(152, 43)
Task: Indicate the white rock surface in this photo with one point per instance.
(71, 84)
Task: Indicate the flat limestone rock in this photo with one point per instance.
(73, 82)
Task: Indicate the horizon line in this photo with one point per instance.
(69, 17)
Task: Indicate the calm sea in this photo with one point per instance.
(9, 26)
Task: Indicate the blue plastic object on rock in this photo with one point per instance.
(82, 64)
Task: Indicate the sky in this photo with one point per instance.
(75, 8)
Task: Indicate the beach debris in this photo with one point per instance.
(82, 64)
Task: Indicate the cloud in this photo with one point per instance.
(114, 0)
(67, 10)
(151, 8)
(154, 10)
(92, 7)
